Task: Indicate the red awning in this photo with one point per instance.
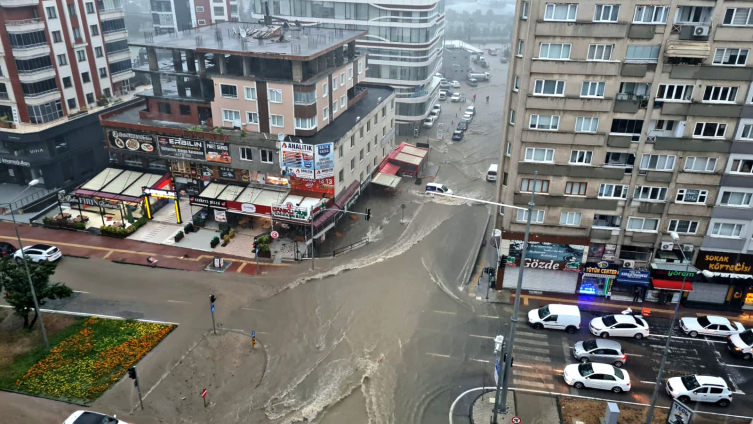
(390, 168)
(671, 285)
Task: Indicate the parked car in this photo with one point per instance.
(462, 125)
(432, 188)
(471, 110)
(503, 60)
(445, 84)
(699, 388)
(555, 316)
(429, 122)
(455, 84)
(434, 114)
(6, 250)
(599, 350)
(619, 326)
(437, 107)
(442, 95)
(457, 135)
(597, 376)
(39, 252)
(472, 82)
(455, 97)
(468, 117)
(91, 417)
(710, 326)
(741, 344)
(439, 75)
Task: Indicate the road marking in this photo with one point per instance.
(445, 312)
(737, 366)
(177, 301)
(687, 338)
(84, 314)
(252, 309)
(537, 358)
(523, 366)
(243, 265)
(437, 354)
(489, 316)
(647, 382)
(79, 291)
(534, 335)
(479, 360)
(533, 384)
(481, 337)
(530, 349)
(108, 254)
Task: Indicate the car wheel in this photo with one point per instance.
(19, 260)
(583, 360)
(683, 399)
(723, 402)
(538, 326)
(747, 356)
(604, 335)
(617, 389)
(618, 364)
(638, 336)
(570, 329)
(578, 385)
(693, 334)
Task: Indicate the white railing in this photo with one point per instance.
(20, 22)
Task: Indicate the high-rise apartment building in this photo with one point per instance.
(403, 44)
(170, 16)
(61, 64)
(637, 117)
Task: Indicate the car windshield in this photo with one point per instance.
(690, 382)
(589, 345)
(609, 320)
(704, 321)
(585, 369)
(544, 312)
(747, 337)
(618, 372)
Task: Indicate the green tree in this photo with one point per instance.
(15, 285)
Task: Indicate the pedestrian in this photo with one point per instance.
(669, 297)
(636, 294)
(474, 98)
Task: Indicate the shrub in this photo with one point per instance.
(46, 220)
(226, 239)
(263, 248)
(178, 237)
(79, 226)
(189, 227)
(264, 240)
(215, 241)
(231, 233)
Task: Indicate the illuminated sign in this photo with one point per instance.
(162, 194)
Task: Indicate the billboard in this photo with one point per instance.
(322, 185)
(324, 161)
(122, 140)
(297, 156)
(195, 150)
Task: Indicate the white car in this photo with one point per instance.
(90, 417)
(39, 252)
(445, 84)
(597, 376)
(468, 117)
(710, 326)
(438, 108)
(699, 388)
(455, 84)
(455, 97)
(619, 326)
(429, 122)
(442, 95)
(439, 75)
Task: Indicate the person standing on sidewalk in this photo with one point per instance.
(636, 294)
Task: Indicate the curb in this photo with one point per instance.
(69, 402)
(470, 409)
(477, 250)
(147, 265)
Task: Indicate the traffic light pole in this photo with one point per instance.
(211, 309)
(367, 215)
(138, 388)
(132, 374)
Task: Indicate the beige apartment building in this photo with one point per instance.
(637, 118)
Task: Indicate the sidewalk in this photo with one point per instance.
(85, 245)
(529, 407)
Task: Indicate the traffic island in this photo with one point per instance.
(483, 407)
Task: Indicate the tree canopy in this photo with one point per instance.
(15, 287)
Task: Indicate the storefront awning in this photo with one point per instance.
(389, 168)
(387, 180)
(709, 274)
(121, 185)
(347, 194)
(671, 285)
(634, 282)
(319, 220)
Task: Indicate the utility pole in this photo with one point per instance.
(212, 298)
(311, 215)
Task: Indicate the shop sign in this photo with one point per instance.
(673, 275)
(548, 251)
(248, 208)
(730, 263)
(610, 251)
(324, 161)
(228, 173)
(16, 162)
(217, 152)
(220, 216)
(290, 211)
(181, 148)
(539, 264)
(297, 158)
(121, 140)
(323, 186)
(604, 268)
(162, 194)
(74, 199)
(634, 274)
(208, 202)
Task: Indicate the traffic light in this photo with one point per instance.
(368, 214)
(491, 272)
(255, 244)
(212, 298)
(132, 373)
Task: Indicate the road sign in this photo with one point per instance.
(253, 333)
(275, 234)
(213, 307)
(204, 393)
(516, 420)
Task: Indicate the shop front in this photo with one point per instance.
(243, 207)
(598, 278)
(732, 272)
(667, 282)
(629, 283)
(549, 267)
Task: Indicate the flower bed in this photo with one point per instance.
(84, 365)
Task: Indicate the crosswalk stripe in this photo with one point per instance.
(545, 374)
(530, 342)
(530, 334)
(530, 349)
(520, 382)
(534, 358)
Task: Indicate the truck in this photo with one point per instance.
(479, 76)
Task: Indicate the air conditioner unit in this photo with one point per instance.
(628, 264)
(687, 247)
(667, 245)
(701, 31)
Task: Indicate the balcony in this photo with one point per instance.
(571, 171)
(629, 103)
(111, 13)
(581, 29)
(621, 141)
(41, 98)
(18, 3)
(24, 25)
(717, 73)
(637, 69)
(559, 137)
(723, 243)
(698, 178)
(114, 35)
(569, 103)
(5, 97)
(642, 32)
(732, 33)
(688, 49)
(29, 51)
(122, 75)
(651, 207)
(577, 67)
(37, 75)
(118, 56)
(568, 202)
(701, 109)
(692, 145)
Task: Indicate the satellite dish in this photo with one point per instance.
(281, 136)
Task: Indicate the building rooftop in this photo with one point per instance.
(255, 39)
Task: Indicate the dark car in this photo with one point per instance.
(6, 250)
(462, 125)
(457, 135)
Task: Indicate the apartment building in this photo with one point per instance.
(171, 16)
(634, 115)
(403, 45)
(280, 112)
(60, 66)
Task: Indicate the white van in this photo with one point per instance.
(432, 188)
(491, 174)
(558, 317)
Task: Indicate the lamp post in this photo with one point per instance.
(32, 183)
(650, 416)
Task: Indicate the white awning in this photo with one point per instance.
(709, 274)
(387, 180)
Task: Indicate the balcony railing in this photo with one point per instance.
(29, 46)
(20, 22)
(42, 94)
(112, 9)
(113, 53)
(112, 31)
(33, 71)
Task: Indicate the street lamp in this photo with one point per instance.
(650, 416)
(32, 183)
(500, 397)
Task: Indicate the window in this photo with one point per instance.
(741, 166)
(334, 108)
(89, 98)
(642, 224)
(581, 157)
(350, 73)
(615, 191)
(340, 151)
(508, 151)
(247, 154)
(709, 130)
(219, 11)
(560, 12)
(252, 118)
(67, 82)
(592, 89)
(81, 55)
(670, 92)
(342, 79)
(512, 117)
(201, 22)
(102, 72)
(521, 47)
(700, 164)
(664, 125)
(544, 122)
(575, 189)
(360, 156)
(693, 15)
(62, 60)
(98, 52)
(606, 12)
(57, 37)
(275, 95)
(555, 51)
(163, 108)
(586, 124)
(650, 193)
(691, 196)
(516, 87)
(607, 221)
(72, 103)
(720, 94)
(536, 218)
(77, 33)
(360, 67)
(90, 7)
(94, 30)
(277, 121)
(85, 77)
(639, 53)
(360, 133)
(72, 9)
(524, 11)
(735, 198)
(352, 164)
(738, 16)
(266, 155)
(722, 229)
(651, 14)
(527, 185)
(200, 9)
(228, 91)
(626, 126)
(549, 88)
(747, 132)
(341, 175)
(534, 154)
(734, 57)
(250, 93)
(334, 83)
(570, 218)
(51, 12)
(325, 89)
(185, 109)
(682, 226)
(352, 142)
(600, 52)
(343, 101)
(658, 162)
(325, 114)
(231, 116)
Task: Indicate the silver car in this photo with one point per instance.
(599, 350)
